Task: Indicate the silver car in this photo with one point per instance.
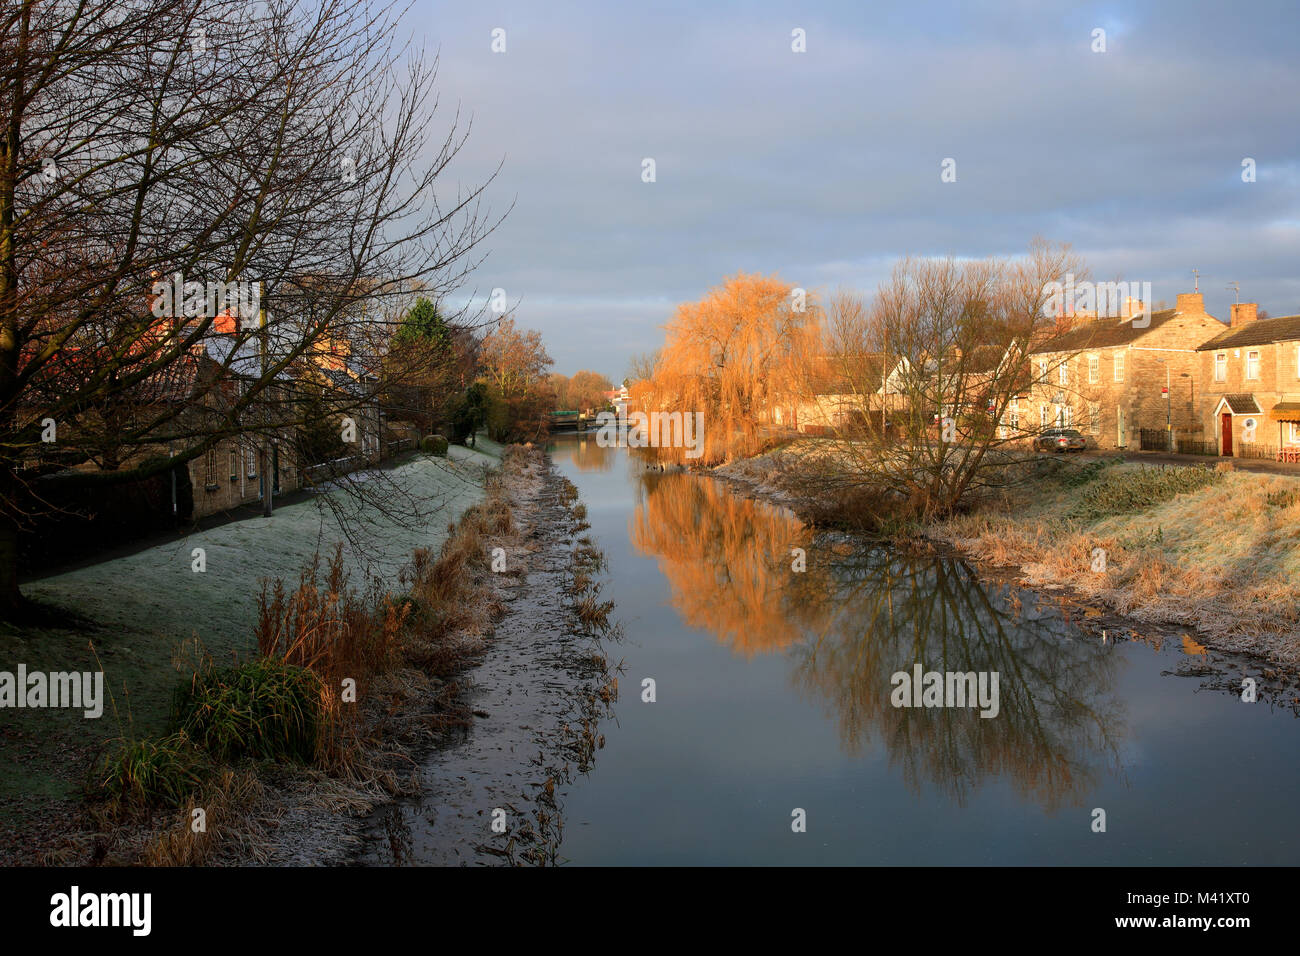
(1060, 439)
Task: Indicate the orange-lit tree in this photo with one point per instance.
(733, 356)
(514, 364)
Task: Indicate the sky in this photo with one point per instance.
(824, 166)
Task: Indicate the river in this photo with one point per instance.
(773, 695)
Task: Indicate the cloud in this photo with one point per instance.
(824, 166)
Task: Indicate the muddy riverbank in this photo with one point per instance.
(493, 792)
(508, 731)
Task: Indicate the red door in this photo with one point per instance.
(1227, 435)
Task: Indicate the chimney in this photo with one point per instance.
(1191, 303)
(1132, 307)
(1243, 312)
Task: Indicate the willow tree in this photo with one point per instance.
(734, 356)
(286, 145)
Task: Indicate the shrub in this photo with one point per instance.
(1130, 490)
(151, 772)
(263, 709)
(1085, 473)
(434, 445)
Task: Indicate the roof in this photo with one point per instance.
(1242, 403)
(848, 374)
(342, 381)
(983, 358)
(1284, 328)
(1102, 334)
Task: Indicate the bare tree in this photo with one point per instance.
(164, 146)
(641, 367)
(932, 367)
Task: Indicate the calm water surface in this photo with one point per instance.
(773, 693)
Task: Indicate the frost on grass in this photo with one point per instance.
(144, 604)
(1221, 557)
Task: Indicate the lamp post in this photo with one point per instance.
(267, 464)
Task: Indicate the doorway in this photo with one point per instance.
(1225, 445)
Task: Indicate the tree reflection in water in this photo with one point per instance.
(850, 621)
(587, 455)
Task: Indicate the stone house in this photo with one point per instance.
(235, 470)
(1111, 378)
(1251, 372)
(844, 390)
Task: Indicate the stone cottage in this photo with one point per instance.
(1110, 378)
(1251, 372)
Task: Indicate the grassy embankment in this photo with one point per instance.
(1209, 548)
(169, 640)
(1213, 549)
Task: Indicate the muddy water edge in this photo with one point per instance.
(493, 793)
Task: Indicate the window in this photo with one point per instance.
(1013, 413)
(234, 463)
(1252, 365)
(210, 467)
(1094, 418)
(1094, 369)
(1043, 412)
(1293, 433)
(1119, 366)
(1220, 366)
(250, 462)
(1065, 417)
(1065, 373)
(1042, 370)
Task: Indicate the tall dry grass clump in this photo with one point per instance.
(327, 627)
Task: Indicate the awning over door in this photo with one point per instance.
(1285, 412)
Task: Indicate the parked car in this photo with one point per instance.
(1060, 439)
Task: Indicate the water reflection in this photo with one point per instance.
(855, 617)
(727, 558)
(585, 453)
